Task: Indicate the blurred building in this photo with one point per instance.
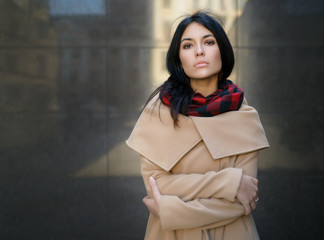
(28, 74)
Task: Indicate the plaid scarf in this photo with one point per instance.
(228, 98)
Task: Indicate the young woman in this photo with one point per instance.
(198, 140)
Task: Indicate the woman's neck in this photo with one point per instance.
(205, 86)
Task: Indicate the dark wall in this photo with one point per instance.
(73, 79)
(280, 58)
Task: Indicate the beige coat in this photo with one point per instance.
(198, 167)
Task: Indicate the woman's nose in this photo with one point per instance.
(200, 51)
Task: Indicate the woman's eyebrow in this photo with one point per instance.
(190, 39)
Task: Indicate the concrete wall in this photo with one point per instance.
(74, 76)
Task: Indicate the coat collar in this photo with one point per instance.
(232, 133)
(155, 137)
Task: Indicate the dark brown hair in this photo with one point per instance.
(178, 85)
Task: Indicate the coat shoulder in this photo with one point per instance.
(232, 133)
(157, 139)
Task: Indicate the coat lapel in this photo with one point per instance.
(155, 137)
(232, 133)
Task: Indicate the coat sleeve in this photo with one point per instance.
(210, 212)
(222, 184)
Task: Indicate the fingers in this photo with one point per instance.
(248, 209)
(146, 200)
(248, 193)
(155, 189)
(249, 206)
(255, 181)
(253, 205)
(151, 206)
(152, 203)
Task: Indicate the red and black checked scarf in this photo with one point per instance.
(228, 98)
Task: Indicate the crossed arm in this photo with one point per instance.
(195, 200)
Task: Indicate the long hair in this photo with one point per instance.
(178, 85)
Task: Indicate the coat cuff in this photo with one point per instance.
(232, 183)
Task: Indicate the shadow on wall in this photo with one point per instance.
(280, 67)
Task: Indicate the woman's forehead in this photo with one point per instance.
(194, 30)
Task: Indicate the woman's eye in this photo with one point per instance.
(186, 46)
(210, 42)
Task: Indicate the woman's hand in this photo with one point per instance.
(153, 203)
(247, 193)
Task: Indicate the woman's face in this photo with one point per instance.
(199, 53)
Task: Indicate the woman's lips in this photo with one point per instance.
(201, 64)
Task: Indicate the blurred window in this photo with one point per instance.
(77, 7)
